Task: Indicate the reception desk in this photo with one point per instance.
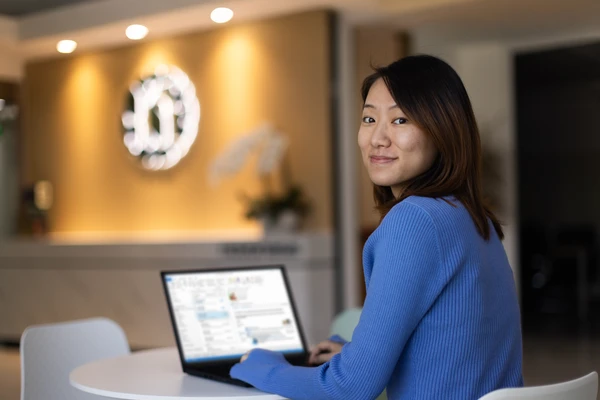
(45, 281)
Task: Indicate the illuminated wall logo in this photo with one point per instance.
(162, 118)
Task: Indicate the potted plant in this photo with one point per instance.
(277, 210)
(281, 213)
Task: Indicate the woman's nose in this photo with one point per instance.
(380, 136)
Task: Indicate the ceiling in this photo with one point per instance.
(510, 17)
(19, 8)
(101, 23)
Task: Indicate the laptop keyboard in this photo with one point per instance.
(221, 376)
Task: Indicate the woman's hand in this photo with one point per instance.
(245, 356)
(324, 351)
(258, 366)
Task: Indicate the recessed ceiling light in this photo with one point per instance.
(66, 46)
(221, 15)
(136, 32)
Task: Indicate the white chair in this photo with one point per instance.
(585, 388)
(345, 322)
(50, 352)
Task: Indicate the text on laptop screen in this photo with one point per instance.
(224, 314)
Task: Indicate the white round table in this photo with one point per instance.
(154, 375)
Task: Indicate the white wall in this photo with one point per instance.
(11, 60)
(485, 63)
(486, 70)
(11, 63)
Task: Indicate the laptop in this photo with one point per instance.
(220, 314)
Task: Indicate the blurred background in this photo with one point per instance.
(146, 135)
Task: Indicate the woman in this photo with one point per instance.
(441, 318)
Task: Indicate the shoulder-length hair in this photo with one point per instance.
(433, 97)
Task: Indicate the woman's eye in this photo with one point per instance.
(368, 120)
(400, 121)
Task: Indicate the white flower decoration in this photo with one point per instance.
(271, 144)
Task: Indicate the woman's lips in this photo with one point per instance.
(381, 159)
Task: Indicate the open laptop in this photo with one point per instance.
(220, 314)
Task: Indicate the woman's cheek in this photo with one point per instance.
(363, 139)
(408, 141)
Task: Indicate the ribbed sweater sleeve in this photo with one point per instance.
(406, 278)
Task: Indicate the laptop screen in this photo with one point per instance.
(223, 314)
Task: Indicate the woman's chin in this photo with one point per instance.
(382, 180)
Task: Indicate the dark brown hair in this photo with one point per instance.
(433, 97)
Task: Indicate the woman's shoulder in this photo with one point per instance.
(443, 212)
(433, 206)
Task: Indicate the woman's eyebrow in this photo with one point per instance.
(372, 106)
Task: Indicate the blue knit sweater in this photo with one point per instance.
(440, 321)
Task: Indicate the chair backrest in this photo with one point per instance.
(50, 352)
(584, 388)
(345, 322)
(343, 325)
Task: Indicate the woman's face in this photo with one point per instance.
(394, 150)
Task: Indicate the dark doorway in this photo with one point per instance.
(558, 129)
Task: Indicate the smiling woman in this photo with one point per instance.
(441, 317)
(431, 129)
(394, 149)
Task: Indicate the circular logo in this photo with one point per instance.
(162, 118)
